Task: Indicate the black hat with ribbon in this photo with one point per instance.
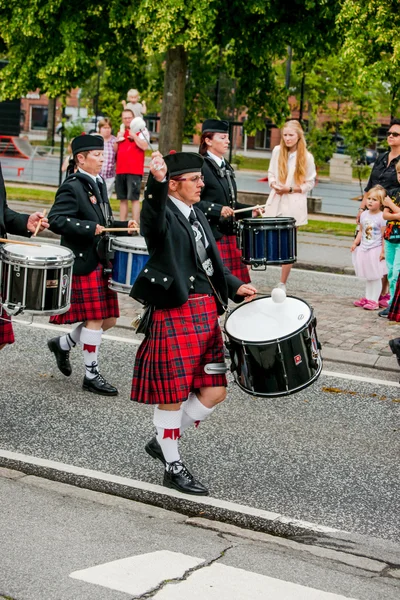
(179, 163)
(84, 143)
(215, 126)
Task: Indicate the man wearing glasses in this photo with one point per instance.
(180, 365)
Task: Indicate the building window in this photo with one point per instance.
(263, 137)
(39, 117)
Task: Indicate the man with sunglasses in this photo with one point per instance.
(180, 365)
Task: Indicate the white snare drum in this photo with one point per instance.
(130, 256)
(273, 346)
(35, 279)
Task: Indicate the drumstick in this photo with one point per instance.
(121, 229)
(39, 223)
(5, 241)
(239, 210)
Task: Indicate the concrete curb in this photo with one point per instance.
(362, 551)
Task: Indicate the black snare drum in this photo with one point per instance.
(268, 241)
(273, 345)
(36, 280)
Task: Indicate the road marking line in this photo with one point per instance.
(143, 486)
(360, 378)
(135, 342)
(106, 336)
(140, 574)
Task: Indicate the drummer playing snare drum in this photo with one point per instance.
(80, 213)
(180, 365)
(17, 224)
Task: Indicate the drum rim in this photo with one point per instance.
(268, 342)
(118, 244)
(271, 220)
(9, 257)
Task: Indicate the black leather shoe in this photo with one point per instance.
(154, 449)
(395, 348)
(99, 385)
(62, 356)
(384, 313)
(183, 481)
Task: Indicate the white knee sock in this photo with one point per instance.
(194, 412)
(373, 289)
(168, 423)
(69, 341)
(91, 340)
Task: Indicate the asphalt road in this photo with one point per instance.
(60, 542)
(327, 455)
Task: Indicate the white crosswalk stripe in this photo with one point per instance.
(140, 574)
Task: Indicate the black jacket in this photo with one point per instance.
(168, 276)
(74, 215)
(11, 221)
(216, 194)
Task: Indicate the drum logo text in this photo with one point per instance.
(52, 283)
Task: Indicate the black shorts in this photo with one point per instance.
(127, 186)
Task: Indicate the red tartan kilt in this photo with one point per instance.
(232, 257)
(394, 312)
(170, 361)
(91, 299)
(6, 329)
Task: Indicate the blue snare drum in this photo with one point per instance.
(130, 256)
(267, 241)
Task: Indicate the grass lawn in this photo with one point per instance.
(329, 227)
(251, 163)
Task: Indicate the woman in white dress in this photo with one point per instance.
(291, 175)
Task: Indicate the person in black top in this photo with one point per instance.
(18, 224)
(180, 365)
(219, 195)
(384, 170)
(80, 214)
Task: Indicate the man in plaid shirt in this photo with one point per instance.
(110, 155)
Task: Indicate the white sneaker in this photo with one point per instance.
(281, 286)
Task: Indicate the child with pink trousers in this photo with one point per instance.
(368, 250)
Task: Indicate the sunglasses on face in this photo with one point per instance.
(393, 134)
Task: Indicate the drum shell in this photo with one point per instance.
(277, 367)
(268, 241)
(38, 285)
(130, 256)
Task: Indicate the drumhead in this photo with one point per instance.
(131, 244)
(35, 255)
(263, 320)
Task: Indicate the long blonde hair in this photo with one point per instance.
(301, 157)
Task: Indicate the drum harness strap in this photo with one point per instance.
(205, 261)
(225, 171)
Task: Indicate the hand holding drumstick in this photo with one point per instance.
(37, 222)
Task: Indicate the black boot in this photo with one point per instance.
(395, 348)
(154, 449)
(62, 356)
(99, 385)
(183, 480)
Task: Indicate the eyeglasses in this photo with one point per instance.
(194, 179)
(393, 134)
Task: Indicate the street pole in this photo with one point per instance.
(60, 173)
(288, 67)
(97, 98)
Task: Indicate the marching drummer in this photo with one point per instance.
(17, 224)
(180, 365)
(219, 195)
(80, 213)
